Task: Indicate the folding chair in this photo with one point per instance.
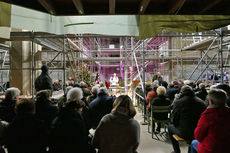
(164, 123)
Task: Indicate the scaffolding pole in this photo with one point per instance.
(202, 58)
(221, 57)
(64, 66)
(182, 70)
(32, 65)
(132, 68)
(143, 67)
(206, 68)
(126, 67)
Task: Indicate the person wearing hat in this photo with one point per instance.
(43, 81)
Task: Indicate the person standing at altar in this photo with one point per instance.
(114, 80)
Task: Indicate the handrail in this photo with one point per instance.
(139, 95)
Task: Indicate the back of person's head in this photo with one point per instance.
(224, 87)
(164, 84)
(156, 82)
(43, 95)
(123, 105)
(161, 90)
(12, 94)
(74, 104)
(201, 86)
(175, 83)
(44, 68)
(187, 82)
(171, 85)
(101, 84)
(103, 90)
(148, 84)
(83, 84)
(25, 106)
(95, 90)
(68, 89)
(154, 86)
(74, 94)
(217, 97)
(187, 91)
(213, 87)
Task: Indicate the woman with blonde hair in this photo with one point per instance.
(118, 132)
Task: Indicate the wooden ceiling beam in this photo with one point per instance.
(143, 6)
(176, 6)
(210, 5)
(79, 6)
(112, 5)
(47, 4)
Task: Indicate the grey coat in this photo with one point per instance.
(117, 134)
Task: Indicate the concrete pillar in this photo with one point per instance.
(20, 57)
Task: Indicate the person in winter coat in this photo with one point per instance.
(151, 95)
(100, 106)
(26, 134)
(171, 92)
(160, 100)
(94, 91)
(43, 81)
(185, 115)
(118, 132)
(63, 99)
(7, 105)
(202, 93)
(212, 132)
(3, 126)
(226, 88)
(68, 133)
(45, 111)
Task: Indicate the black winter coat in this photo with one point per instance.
(7, 110)
(99, 107)
(171, 92)
(160, 100)
(46, 112)
(202, 94)
(68, 133)
(43, 82)
(185, 115)
(26, 134)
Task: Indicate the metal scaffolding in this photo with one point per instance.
(76, 54)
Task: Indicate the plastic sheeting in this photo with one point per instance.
(5, 14)
(151, 25)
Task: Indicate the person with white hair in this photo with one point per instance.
(7, 105)
(100, 106)
(74, 94)
(94, 91)
(85, 91)
(160, 100)
(63, 99)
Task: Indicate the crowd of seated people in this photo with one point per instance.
(199, 111)
(41, 126)
(199, 115)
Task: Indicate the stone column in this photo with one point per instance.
(20, 58)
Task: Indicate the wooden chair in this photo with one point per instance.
(179, 139)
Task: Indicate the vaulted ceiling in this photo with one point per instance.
(127, 7)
